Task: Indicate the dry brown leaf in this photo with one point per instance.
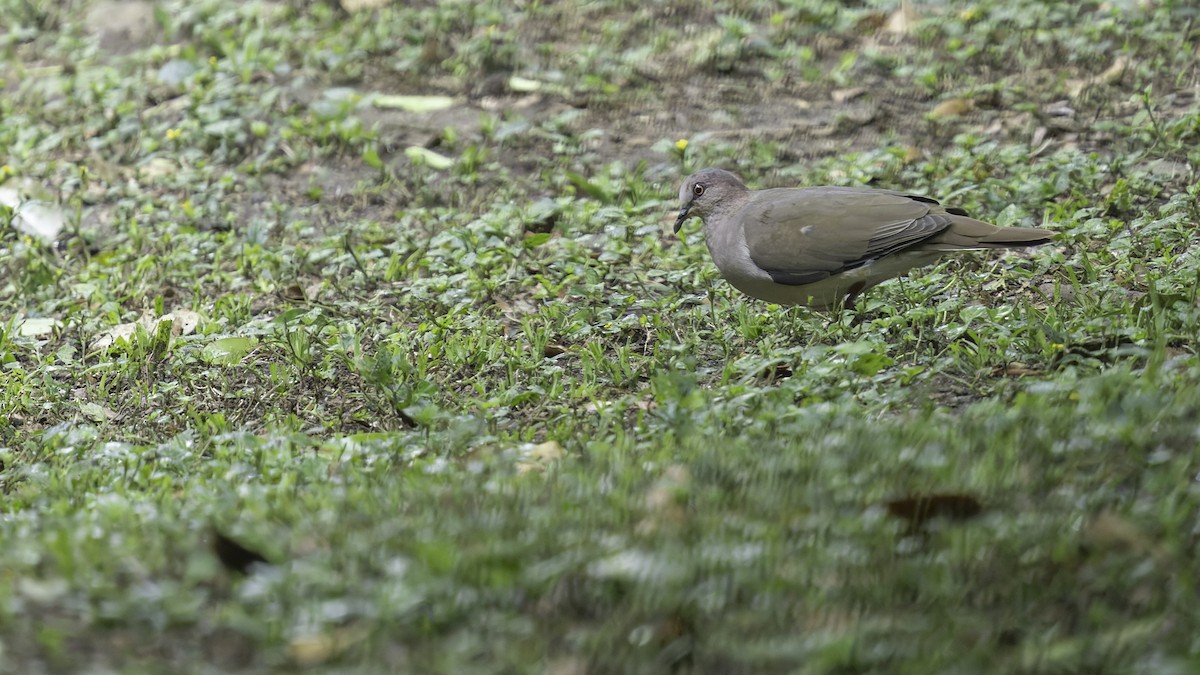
(539, 457)
(514, 309)
(183, 322)
(1116, 71)
(1015, 370)
(1039, 135)
(546, 452)
(565, 665)
(362, 5)
(901, 21)
(597, 406)
(293, 292)
(1112, 531)
(843, 95)
(552, 350)
(870, 22)
(951, 108)
(666, 500)
(317, 648)
(97, 412)
(646, 404)
(1111, 75)
(37, 327)
(600, 406)
(158, 167)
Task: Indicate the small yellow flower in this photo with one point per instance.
(681, 144)
(174, 134)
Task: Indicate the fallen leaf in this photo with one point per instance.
(1014, 370)
(550, 351)
(843, 95)
(1111, 75)
(413, 103)
(316, 648)
(539, 457)
(597, 406)
(293, 292)
(97, 412)
(157, 167)
(901, 21)
(183, 322)
(666, 500)
(546, 452)
(1059, 109)
(35, 218)
(919, 509)
(360, 5)
(42, 591)
(951, 108)
(420, 155)
(565, 665)
(36, 327)
(870, 22)
(121, 331)
(1116, 71)
(1112, 531)
(523, 85)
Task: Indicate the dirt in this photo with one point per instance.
(729, 96)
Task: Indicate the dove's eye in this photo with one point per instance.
(697, 189)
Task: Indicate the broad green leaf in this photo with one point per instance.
(227, 351)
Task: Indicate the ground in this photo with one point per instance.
(354, 338)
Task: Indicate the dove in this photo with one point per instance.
(821, 247)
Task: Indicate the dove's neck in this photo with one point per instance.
(726, 237)
(722, 222)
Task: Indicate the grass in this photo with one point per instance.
(482, 412)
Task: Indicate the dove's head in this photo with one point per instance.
(704, 191)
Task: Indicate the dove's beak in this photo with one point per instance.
(683, 215)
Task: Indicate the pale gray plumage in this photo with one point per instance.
(822, 246)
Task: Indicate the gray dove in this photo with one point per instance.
(822, 246)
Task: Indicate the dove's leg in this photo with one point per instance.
(851, 297)
(852, 294)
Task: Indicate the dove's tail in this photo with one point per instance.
(967, 233)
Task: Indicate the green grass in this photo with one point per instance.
(493, 417)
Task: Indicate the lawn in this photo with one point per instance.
(354, 338)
